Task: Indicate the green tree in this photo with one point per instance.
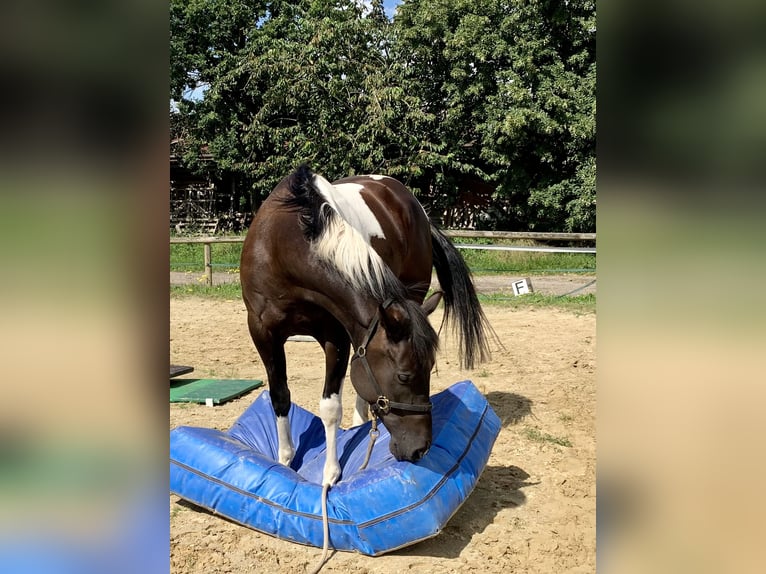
(509, 90)
(207, 40)
(437, 42)
(541, 125)
(311, 80)
(452, 95)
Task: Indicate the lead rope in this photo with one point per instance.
(326, 526)
(374, 433)
(373, 436)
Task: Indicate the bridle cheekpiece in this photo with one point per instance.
(382, 405)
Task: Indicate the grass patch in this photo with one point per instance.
(225, 257)
(533, 263)
(579, 304)
(222, 291)
(535, 435)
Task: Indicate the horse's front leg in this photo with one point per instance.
(330, 407)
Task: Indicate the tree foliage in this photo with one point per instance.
(450, 95)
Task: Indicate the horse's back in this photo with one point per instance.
(406, 242)
(276, 248)
(388, 198)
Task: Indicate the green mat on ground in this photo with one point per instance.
(218, 390)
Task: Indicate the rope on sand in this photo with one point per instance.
(325, 522)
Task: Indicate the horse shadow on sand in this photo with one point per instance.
(498, 488)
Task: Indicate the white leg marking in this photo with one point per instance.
(331, 411)
(286, 448)
(361, 411)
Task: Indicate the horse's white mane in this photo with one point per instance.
(345, 240)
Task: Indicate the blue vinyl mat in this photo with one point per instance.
(387, 506)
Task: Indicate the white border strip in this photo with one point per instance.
(543, 249)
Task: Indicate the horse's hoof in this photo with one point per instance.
(286, 457)
(331, 475)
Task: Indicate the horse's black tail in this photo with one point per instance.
(461, 305)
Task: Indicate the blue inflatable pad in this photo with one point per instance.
(387, 506)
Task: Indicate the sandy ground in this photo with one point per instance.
(534, 507)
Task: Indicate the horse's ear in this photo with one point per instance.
(395, 321)
(429, 305)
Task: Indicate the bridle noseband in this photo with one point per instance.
(382, 405)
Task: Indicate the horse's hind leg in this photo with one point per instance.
(272, 354)
(280, 399)
(330, 407)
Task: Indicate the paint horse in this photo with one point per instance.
(349, 263)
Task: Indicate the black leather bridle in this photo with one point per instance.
(382, 405)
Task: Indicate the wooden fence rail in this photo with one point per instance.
(527, 235)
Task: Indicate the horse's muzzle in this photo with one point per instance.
(409, 454)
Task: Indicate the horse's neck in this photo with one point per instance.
(353, 310)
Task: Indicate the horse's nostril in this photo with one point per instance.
(409, 455)
(420, 453)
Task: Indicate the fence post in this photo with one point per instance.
(208, 266)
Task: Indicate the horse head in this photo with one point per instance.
(391, 370)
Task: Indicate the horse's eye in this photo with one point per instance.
(403, 377)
